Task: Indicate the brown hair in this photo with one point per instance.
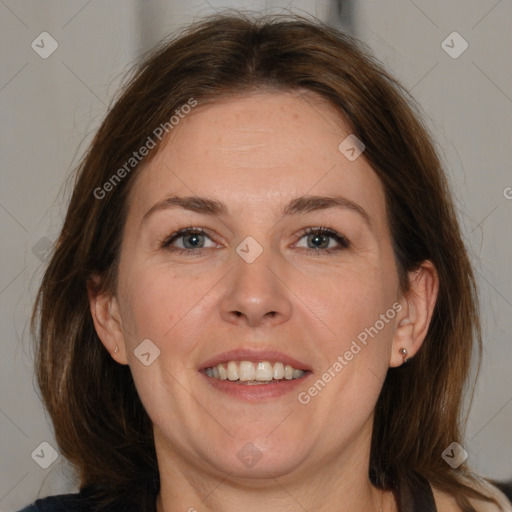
(100, 423)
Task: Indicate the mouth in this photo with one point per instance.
(254, 375)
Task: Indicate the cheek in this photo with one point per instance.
(360, 316)
(349, 299)
(355, 350)
(158, 305)
(167, 307)
(152, 302)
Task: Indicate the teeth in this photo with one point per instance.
(233, 371)
(254, 373)
(278, 370)
(264, 371)
(223, 373)
(247, 371)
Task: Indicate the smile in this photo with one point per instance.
(254, 373)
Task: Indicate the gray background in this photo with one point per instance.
(51, 108)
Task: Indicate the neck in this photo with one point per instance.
(340, 484)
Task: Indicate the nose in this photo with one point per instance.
(256, 293)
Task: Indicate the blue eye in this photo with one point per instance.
(192, 241)
(323, 240)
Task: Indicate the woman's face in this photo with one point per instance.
(259, 176)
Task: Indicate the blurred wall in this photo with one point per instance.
(62, 63)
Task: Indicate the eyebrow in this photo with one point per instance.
(299, 205)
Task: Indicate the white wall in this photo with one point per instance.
(51, 107)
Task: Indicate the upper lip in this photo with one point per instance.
(255, 356)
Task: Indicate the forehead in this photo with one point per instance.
(261, 148)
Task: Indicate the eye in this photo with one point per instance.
(188, 240)
(323, 240)
(193, 240)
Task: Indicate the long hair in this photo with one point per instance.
(100, 423)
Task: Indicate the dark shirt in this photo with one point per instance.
(420, 499)
(79, 502)
(62, 503)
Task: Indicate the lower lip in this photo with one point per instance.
(257, 391)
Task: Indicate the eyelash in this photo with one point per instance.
(343, 242)
(320, 230)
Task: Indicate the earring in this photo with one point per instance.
(116, 350)
(403, 352)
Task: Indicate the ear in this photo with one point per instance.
(413, 320)
(107, 320)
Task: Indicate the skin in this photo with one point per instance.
(255, 153)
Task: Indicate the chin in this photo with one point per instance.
(259, 458)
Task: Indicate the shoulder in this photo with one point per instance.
(446, 503)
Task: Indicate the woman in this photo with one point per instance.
(260, 294)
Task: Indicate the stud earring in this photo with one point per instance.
(403, 352)
(116, 350)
